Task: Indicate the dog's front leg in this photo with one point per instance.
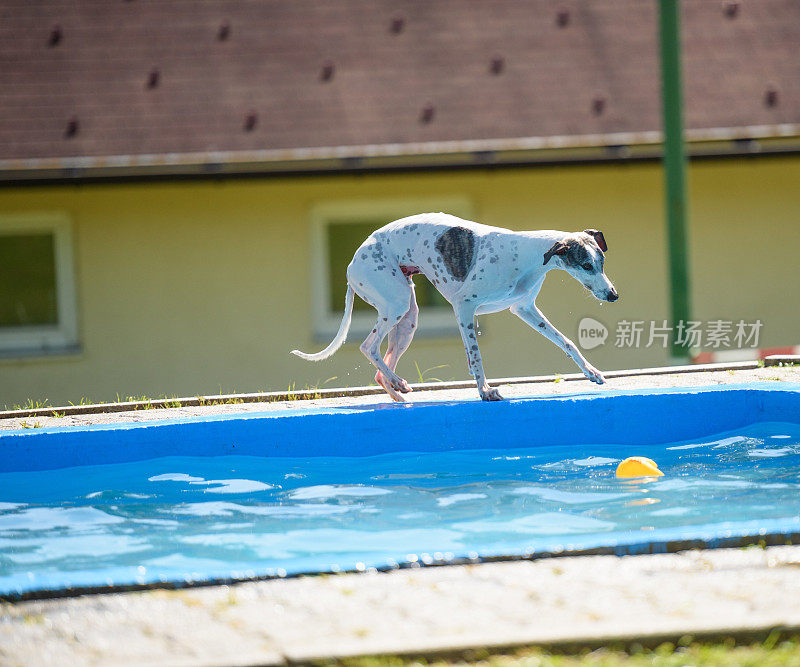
(465, 316)
(534, 318)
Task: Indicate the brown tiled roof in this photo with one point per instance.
(116, 77)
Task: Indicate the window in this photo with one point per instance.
(338, 230)
(37, 292)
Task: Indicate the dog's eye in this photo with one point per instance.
(587, 266)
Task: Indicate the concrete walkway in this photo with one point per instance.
(577, 599)
(567, 384)
(430, 609)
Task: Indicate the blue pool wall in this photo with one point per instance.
(639, 417)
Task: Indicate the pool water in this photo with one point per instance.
(199, 518)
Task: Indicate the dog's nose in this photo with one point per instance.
(612, 295)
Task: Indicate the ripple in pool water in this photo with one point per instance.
(178, 518)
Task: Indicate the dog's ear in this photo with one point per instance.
(559, 248)
(598, 237)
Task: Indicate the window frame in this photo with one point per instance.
(50, 338)
(434, 321)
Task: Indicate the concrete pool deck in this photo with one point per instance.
(117, 413)
(585, 599)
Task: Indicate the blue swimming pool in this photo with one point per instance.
(382, 486)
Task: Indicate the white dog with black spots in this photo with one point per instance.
(479, 269)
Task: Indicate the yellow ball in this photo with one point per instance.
(638, 466)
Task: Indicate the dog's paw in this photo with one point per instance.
(593, 374)
(393, 384)
(490, 394)
(399, 384)
(389, 389)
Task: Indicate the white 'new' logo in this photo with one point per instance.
(591, 333)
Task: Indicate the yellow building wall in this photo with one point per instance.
(190, 288)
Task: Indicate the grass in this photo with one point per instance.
(145, 402)
(423, 375)
(777, 649)
(30, 404)
(83, 401)
(230, 400)
(302, 394)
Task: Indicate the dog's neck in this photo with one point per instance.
(534, 245)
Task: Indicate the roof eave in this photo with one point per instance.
(705, 142)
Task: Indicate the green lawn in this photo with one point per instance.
(778, 649)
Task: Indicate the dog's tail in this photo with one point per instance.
(341, 335)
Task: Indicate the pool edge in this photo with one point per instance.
(640, 548)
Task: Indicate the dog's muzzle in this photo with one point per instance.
(612, 295)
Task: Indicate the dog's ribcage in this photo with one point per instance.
(464, 260)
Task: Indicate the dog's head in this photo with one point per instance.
(581, 255)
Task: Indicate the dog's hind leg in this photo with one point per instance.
(400, 337)
(389, 380)
(391, 295)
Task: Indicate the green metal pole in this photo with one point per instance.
(674, 168)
